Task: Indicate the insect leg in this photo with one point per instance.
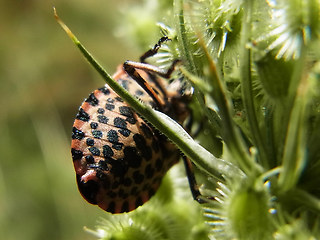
(130, 67)
(153, 50)
(192, 181)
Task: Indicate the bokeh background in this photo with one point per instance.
(43, 80)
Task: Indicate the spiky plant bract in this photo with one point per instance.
(254, 68)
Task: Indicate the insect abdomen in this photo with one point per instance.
(118, 158)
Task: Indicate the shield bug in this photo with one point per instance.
(119, 158)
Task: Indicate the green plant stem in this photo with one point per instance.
(246, 85)
(230, 133)
(200, 156)
(294, 151)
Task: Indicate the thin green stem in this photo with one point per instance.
(294, 151)
(246, 85)
(230, 133)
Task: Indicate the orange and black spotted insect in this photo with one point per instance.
(119, 158)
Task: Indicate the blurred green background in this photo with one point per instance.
(43, 80)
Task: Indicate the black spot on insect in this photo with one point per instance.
(124, 132)
(117, 146)
(127, 182)
(104, 90)
(126, 111)
(76, 154)
(110, 100)
(131, 120)
(124, 84)
(77, 134)
(94, 125)
(103, 165)
(147, 153)
(139, 140)
(146, 186)
(119, 99)
(139, 93)
(131, 157)
(119, 167)
(94, 151)
(107, 151)
(111, 194)
(149, 171)
(120, 123)
(142, 146)
(102, 119)
(89, 159)
(82, 115)
(92, 100)
(96, 134)
(90, 142)
(159, 164)
(109, 106)
(146, 130)
(112, 136)
(137, 177)
(155, 146)
(100, 111)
